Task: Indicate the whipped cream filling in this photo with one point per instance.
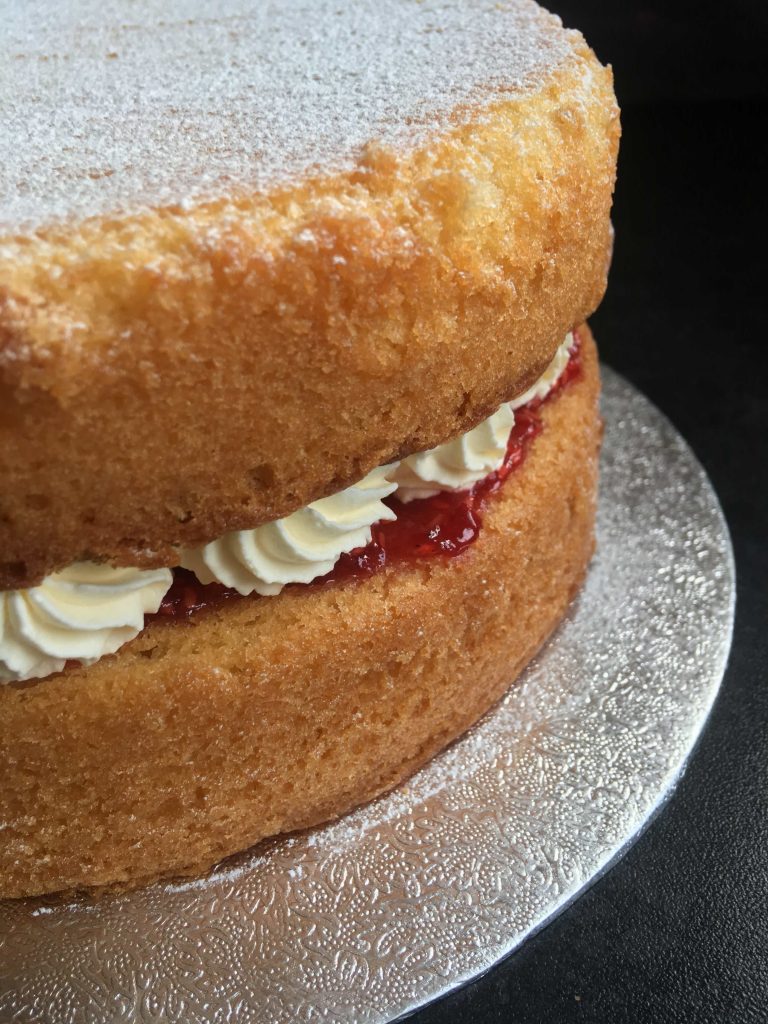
(456, 465)
(460, 464)
(82, 612)
(89, 610)
(299, 548)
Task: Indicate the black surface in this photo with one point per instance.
(675, 49)
(678, 930)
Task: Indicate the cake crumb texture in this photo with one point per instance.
(199, 738)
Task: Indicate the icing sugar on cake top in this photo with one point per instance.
(112, 106)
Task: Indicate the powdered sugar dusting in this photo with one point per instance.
(117, 105)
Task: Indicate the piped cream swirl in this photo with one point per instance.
(460, 464)
(82, 612)
(299, 548)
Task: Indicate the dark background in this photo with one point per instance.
(678, 930)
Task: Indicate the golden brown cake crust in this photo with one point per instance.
(266, 715)
(172, 375)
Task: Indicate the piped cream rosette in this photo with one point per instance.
(299, 548)
(82, 613)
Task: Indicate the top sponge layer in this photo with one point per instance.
(115, 107)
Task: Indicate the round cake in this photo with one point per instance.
(298, 409)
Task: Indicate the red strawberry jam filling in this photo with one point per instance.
(441, 526)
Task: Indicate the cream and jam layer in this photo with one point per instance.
(427, 504)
